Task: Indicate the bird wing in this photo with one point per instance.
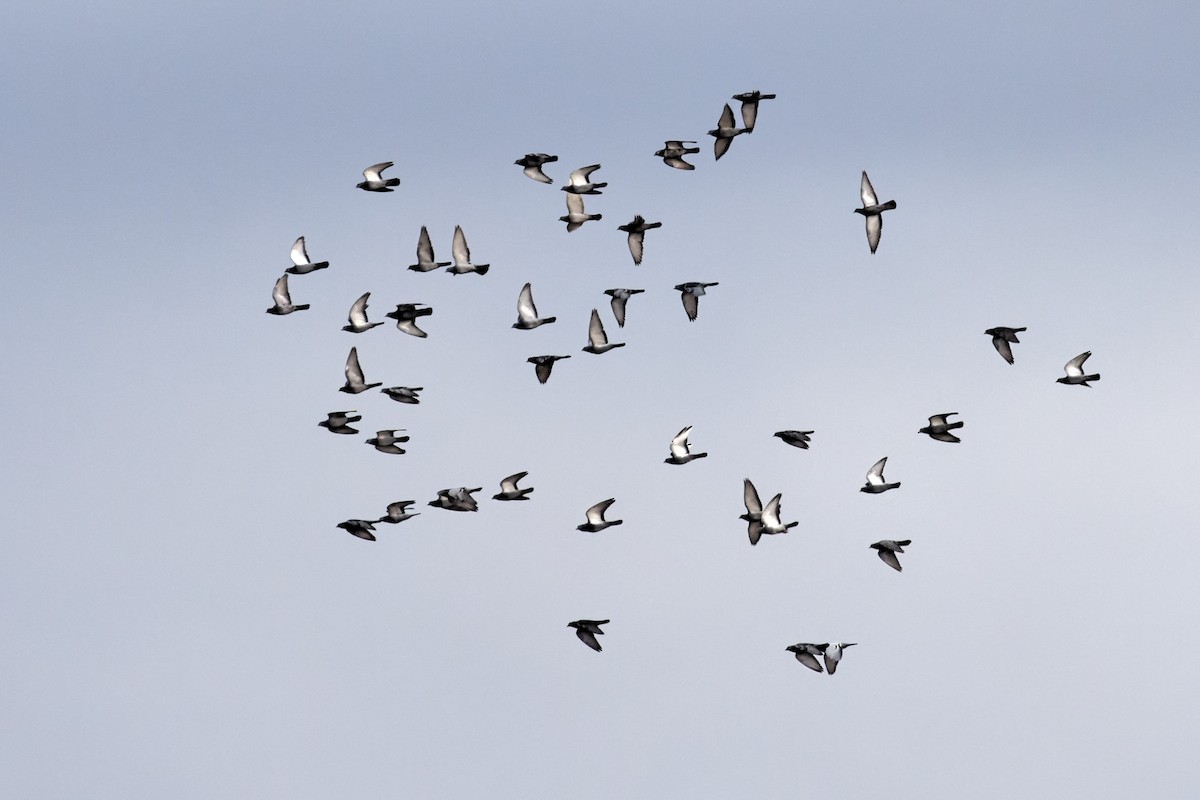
(595, 514)
(868, 192)
(691, 304)
(358, 311)
(299, 253)
(750, 498)
(944, 436)
(770, 513)
(636, 237)
(526, 310)
(720, 145)
(677, 163)
(618, 307)
(726, 120)
(596, 330)
(588, 638)
(754, 531)
(875, 473)
(575, 205)
(679, 445)
(542, 370)
(889, 558)
(809, 660)
(874, 229)
(409, 326)
(372, 173)
(509, 484)
(460, 251)
(1075, 365)
(424, 247)
(579, 177)
(280, 293)
(354, 373)
(1003, 348)
(749, 113)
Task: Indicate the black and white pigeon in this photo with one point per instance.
(301, 264)
(619, 298)
(691, 297)
(595, 517)
(375, 181)
(404, 394)
(406, 315)
(887, 549)
(542, 366)
(597, 340)
(833, 654)
(462, 256)
(385, 441)
(681, 452)
(875, 481)
(339, 422)
(1002, 339)
(354, 375)
(673, 152)
(1075, 372)
(749, 102)
(580, 181)
(637, 234)
(283, 299)
(527, 315)
(457, 499)
(358, 316)
(724, 132)
(398, 511)
(939, 428)
(587, 630)
(425, 260)
(769, 520)
(509, 490)
(795, 438)
(576, 214)
(533, 162)
(873, 210)
(806, 654)
(359, 527)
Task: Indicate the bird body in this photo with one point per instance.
(770, 518)
(462, 256)
(283, 299)
(375, 181)
(385, 441)
(875, 481)
(724, 133)
(873, 210)
(587, 630)
(806, 654)
(301, 263)
(532, 162)
(406, 315)
(795, 438)
(425, 260)
(362, 528)
(1001, 339)
(833, 654)
(939, 427)
(404, 394)
(680, 451)
(673, 152)
(339, 422)
(456, 499)
(1075, 374)
(509, 490)
(619, 298)
(527, 315)
(887, 549)
(576, 214)
(580, 181)
(357, 320)
(749, 102)
(637, 234)
(691, 297)
(398, 511)
(354, 375)
(595, 517)
(597, 340)
(542, 366)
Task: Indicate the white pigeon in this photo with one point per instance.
(354, 375)
(580, 183)
(875, 481)
(770, 518)
(939, 427)
(681, 453)
(595, 517)
(576, 214)
(873, 210)
(509, 490)
(619, 298)
(425, 260)
(833, 654)
(301, 264)
(375, 181)
(462, 256)
(1075, 373)
(527, 315)
(358, 316)
(283, 299)
(597, 340)
(725, 131)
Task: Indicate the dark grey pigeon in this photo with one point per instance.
(637, 234)
(1075, 372)
(358, 316)
(339, 422)
(425, 260)
(873, 210)
(397, 512)
(691, 297)
(673, 152)
(576, 214)
(301, 264)
(462, 256)
(795, 438)
(619, 298)
(833, 654)
(806, 654)
(283, 299)
(359, 527)
(509, 490)
(404, 394)
(385, 441)
(580, 181)
(527, 315)
(887, 549)
(749, 102)
(406, 315)
(542, 366)
(875, 481)
(595, 517)
(597, 340)
(457, 499)
(938, 427)
(587, 630)
(533, 162)
(724, 132)
(354, 375)
(681, 453)
(375, 181)
(1002, 338)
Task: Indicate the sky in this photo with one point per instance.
(181, 616)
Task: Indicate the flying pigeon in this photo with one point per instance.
(1075, 373)
(637, 233)
(301, 265)
(580, 183)
(398, 511)
(754, 511)
(619, 298)
(680, 451)
(795, 438)
(833, 654)
(576, 215)
(873, 211)
(339, 422)
(462, 256)
(886, 549)
(595, 517)
(527, 315)
(425, 260)
(597, 340)
(359, 527)
(938, 428)
(456, 499)
(673, 152)
(509, 490)
(374, 180)
(691, 297)
(1001, 339)
(358, 316)
(769, 520)
(406, 318)
(806, 654)
(586, 630)
(354, 375)
(875, 483)
(542, 366)
(404, 394)
(532, 162)
(749, 102)
(283, 299)
(385, 441)
(724, 132)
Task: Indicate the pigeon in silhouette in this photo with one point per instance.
(724, 132)
(509, 490)
(283, 299)
(580, 182)
(527, 315)
(354, 375)
(873, 210)
(938, 428)
(1075, 373)
(359, 527)
(358, 316)
(673, 152)
(576, 215)
(339, 422)
(691, 297)
(597, 340)
(886, 549)
(833, 654)
(795, 438)
(462, 256)
(806, 654)
(769, 519)
(385, 441)
(680, 451)
(406, 315)
(456, 499)
(398, 511)
(637, 233)
(749, 102)
(595, 517)
(404, 394)
(425, 260)
(542, 366)
(532, 162)
(875, 482)
(1001, 339)
(587, 629)
(619, 298)
(301, 264)
(374, 180)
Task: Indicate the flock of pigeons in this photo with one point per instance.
(761, 519)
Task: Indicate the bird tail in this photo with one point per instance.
(890, 204)
(304, 306)
(1086, 378)
(954, 425)
(548, 320)
(392, 182)
(595, 216)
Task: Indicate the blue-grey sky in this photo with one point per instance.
(181, 618)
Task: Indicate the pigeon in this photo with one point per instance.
(586, 630)
(358, 316)
(795, 438)
(806, 654)
(456, 499)
(527, 316)
(1075, 373)
(673, 152)
(580, 183)
(691, 297)
(354, 375)
(875, 483)
(637, 232)
(301, 265)
(339, 422)
(680, 452)
(1001, 339)
(873, 211)
(595, 517)
(724, 132)
(404, 394)
(597, 340)
(833, 654)
(462, 256)
(359, 527)
(532, 162)
(374, 180)
(509, 490)
(769, 520)
(542, 366)
(283, 299)
(619, 298)
(425, 260)
(397, 512)
(576, 215)
(385, 441)
(406, 318)
(749, 102)
(938, 428)
(754, 510)
(887, 549)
